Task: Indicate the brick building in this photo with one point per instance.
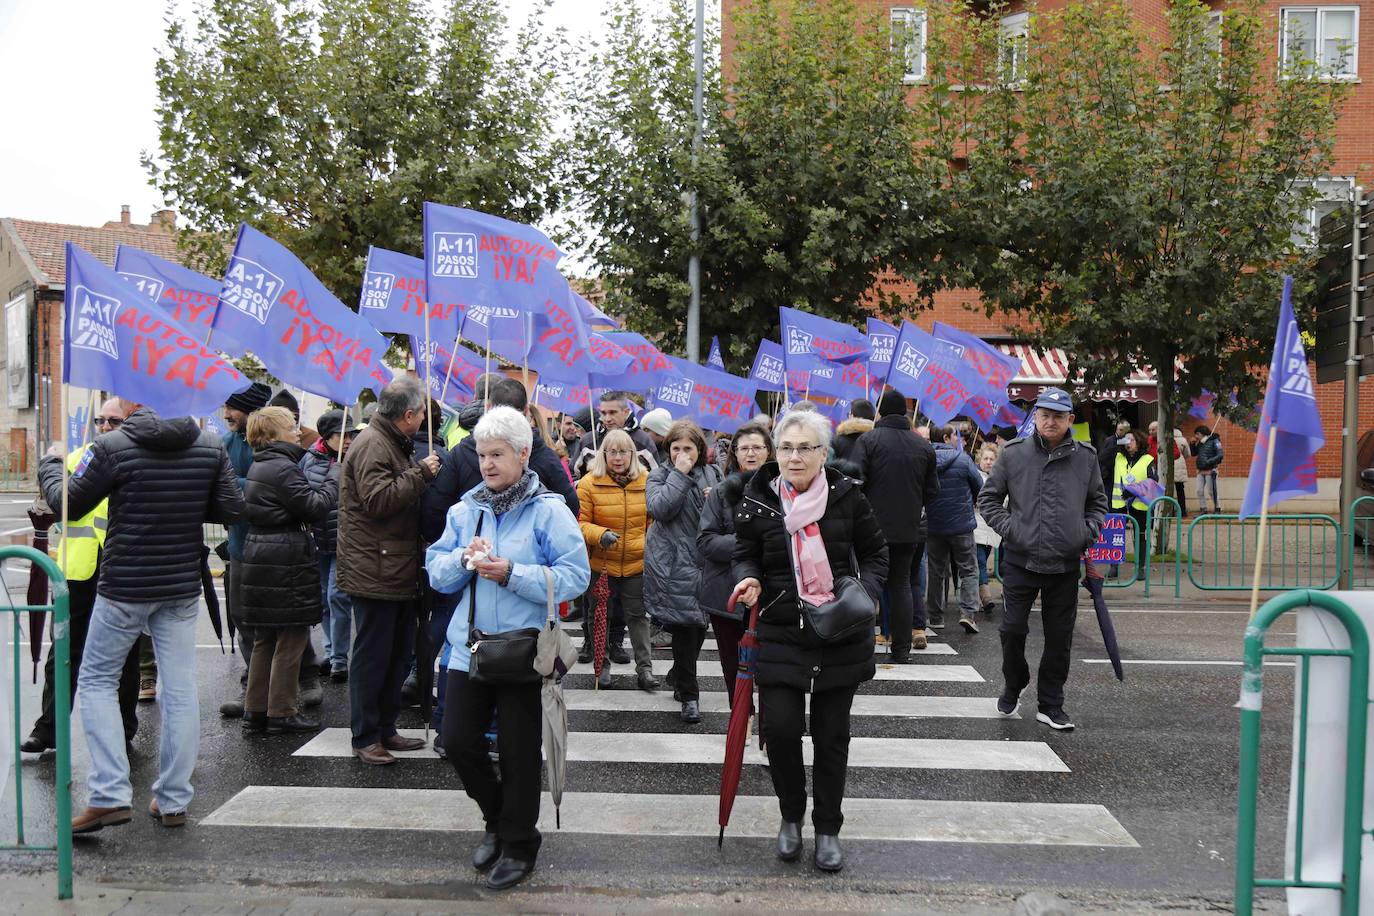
(33, 281)
(1329, 31)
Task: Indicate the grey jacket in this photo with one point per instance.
(672, 564)
(1055, 503)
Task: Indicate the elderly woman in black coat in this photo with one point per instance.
(748, 450)
(279, 581)
(798, 508)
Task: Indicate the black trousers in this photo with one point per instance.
(1058, 610)
(686, 650)
(80, 604)
(510, 802)
(782, 724)
(615, 613)
(383, 641)
(900, 601)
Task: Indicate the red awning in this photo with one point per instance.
(1049, 368)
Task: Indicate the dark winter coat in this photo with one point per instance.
(278, 579)
(461, 471)
(1047, 504)
(1209, 454)
(379, 520)
(716, 545)
(898, 469)
(790, 653)
(672, 567)
(581, 459)
(951, 512)
(316, 464)
(240, 459)
(165, 479)
(847, 434)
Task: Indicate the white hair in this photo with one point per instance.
(808, 420)
(506, 424)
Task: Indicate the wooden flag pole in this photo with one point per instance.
(1264, 523)
(429, 362)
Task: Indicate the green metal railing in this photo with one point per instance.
(12, 475)
(1251, 697)
(1359, 525)
(1137, 567)
(62, 706)
(1215, 563)
(1172, 520)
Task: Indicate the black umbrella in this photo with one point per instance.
(222, 551)
(1092, 581)
(425, 652)
(207, 585)
(37, 595)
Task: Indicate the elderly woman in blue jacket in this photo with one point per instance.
(509, 530)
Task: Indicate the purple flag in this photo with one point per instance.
(1145, 490)
(647, 367)
(805, 335)
(768, 369)
(714, 358)
(565, 397)
(882, 340)
(715, 400)
(393, 297)
(1201, 407)
(191, 297)
(1289, 416)
(837, 411)
(911, 356)
(478, 259)
(834, 380)
(118, 340)
(432, 366)
(989, 370)
(595, 318)
(1027, 426)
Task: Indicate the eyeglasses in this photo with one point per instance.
(750, 449)
(803, 451)
(617, 453)
(111, 422)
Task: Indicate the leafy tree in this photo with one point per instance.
(1130, 196)
(327, 124)
(806, 179)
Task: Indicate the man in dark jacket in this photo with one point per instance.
(1207, 448)
(860, 421)
(898, 470)
(613, 409)
(1054, 509)
(951, 522)
(1106, 453)
(164, 479)
(379, 563)
(337, 625)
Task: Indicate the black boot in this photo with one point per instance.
(277, 725)
(487, 852)
(254, 723)
(789, 841)
(829, 856)
(508, 872)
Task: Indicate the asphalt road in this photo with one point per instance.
(1157, 753)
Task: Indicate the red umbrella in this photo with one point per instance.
(601, 594)
(37, 595)
(741, 707)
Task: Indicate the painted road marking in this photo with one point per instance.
(887, 706)
(935, 648)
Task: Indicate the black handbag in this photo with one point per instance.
(499, 658)
(851, 611)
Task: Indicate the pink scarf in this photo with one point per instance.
(801, 512)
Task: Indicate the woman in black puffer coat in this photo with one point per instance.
(748, 450)
(279, 586)
(829, 524)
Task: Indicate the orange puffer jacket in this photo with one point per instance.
(606, 506)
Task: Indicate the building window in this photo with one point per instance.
(1321, 40)
(909, 41)
(1012, 55)
(1332, 194)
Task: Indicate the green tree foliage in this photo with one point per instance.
(807, 177)
(1131, 196)
(327, 124)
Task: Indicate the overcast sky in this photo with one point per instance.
(79, 102)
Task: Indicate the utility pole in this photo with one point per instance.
(1350, 421)
(694, 260)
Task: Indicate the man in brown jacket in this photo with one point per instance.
(378, 564)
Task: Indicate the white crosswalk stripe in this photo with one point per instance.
(935, 648)
(918, 672)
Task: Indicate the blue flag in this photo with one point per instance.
(986, 370)
(595, 318)
(1201, 408)
(882, 340)
(393, 297)
(1289, 419)
(911, 356)
(78, 428)
(300, 330)
(474, 258)
(648, 365)
(714, 358)
(117, 340)
(564, 397)
(768, 370)
(451, 390)
(804, 334)
(832, 380)
(715, 400)
(191, 297)
(837, 411)
(1027, 425)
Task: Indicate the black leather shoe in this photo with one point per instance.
(255, 723)
(789, 841)
(584, 655)
(277, 725)
(487, 852)
(507, 873)
(647, 681)
(620, 655)
(691, 712)
(33, 744)
(829, 856)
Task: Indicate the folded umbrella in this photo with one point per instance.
(42, 519)
(425, 652)
(741, 707)
(554, 655)
(601, 595)
(1092, 581)
(207, 586)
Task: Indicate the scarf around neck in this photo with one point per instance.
(811, 565)
(510, 497)
(627, 478)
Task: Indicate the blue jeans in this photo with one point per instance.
(115, 627)
(984, 551)
(338, 613)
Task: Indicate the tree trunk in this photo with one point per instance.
(1165, 374)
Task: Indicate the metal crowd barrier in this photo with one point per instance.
(62, 705)
(1357, 713)
(1215, 563)
(1360, 528)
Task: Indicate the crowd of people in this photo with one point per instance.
(368, 530)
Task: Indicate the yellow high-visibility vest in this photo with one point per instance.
(85, 537)
(1080, 432)
(1139, 471)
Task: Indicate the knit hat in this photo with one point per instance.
(657, 421)
(285, 399)
(329, 423)
(254, 398)
(583, 418)
(892, 402)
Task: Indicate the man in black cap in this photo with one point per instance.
(1045, 498)
(236, 411)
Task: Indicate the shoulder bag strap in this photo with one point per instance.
(472, 589)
